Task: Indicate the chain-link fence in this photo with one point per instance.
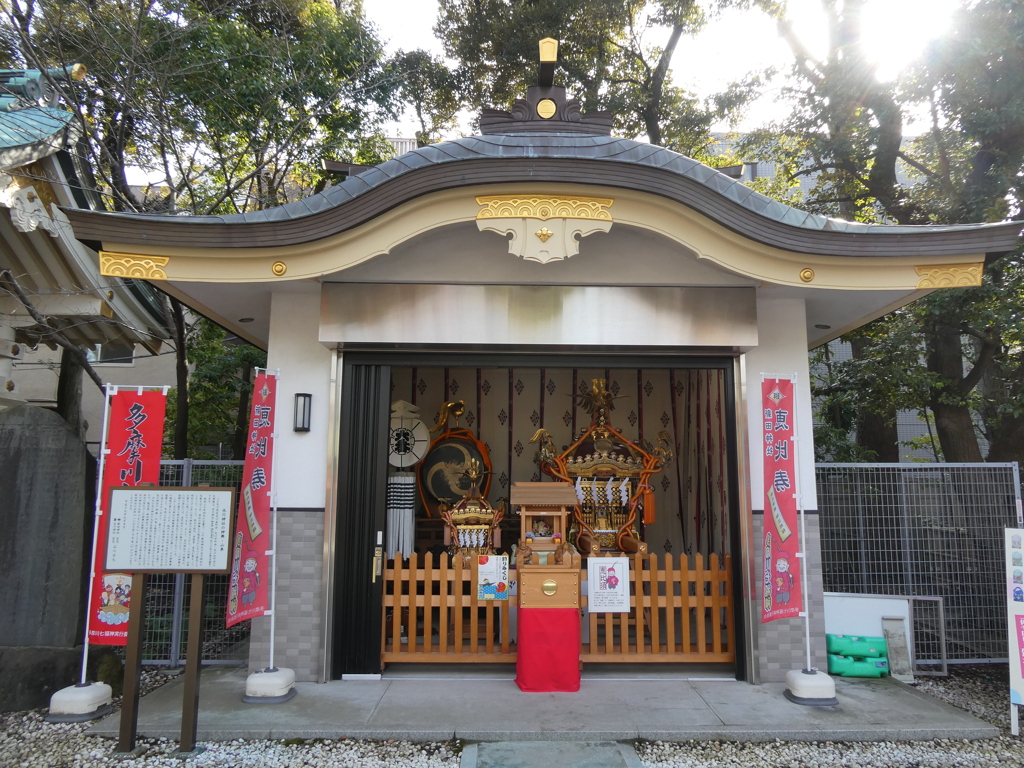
(924, 530)
(168, 603)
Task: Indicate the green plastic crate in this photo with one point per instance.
(846, 666)
(858, 647)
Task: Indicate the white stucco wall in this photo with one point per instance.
(781, 350)
(301, 461)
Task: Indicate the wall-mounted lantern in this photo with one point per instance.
(303, 408)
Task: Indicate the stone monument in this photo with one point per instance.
(44, 515)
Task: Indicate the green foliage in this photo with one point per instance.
(217, 365)
(233, 103)
(432, 90)
(605, 60)
(955, 355)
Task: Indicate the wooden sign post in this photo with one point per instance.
(167, 530)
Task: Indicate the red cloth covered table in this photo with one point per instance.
(548, 650)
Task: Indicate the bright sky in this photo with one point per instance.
(730, 47)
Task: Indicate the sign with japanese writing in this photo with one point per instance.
(157, 530)
(132, 448)
(492, 577)
(782, 588)
(1015, 611)
(248, 593)
(608, 584)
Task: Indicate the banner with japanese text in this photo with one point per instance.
(783, 590)
(248, 594)
(133, 444)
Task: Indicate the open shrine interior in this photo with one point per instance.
(507, 418)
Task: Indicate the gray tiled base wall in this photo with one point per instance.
(780, 644)
(300, 546)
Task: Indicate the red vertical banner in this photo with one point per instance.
(248, 595)
(783, 590)
(133, 443)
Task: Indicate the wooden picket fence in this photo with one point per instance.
(432, 614)
(680, 611)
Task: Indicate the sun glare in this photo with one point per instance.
(897, 31)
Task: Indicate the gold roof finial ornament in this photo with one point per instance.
(548, 57)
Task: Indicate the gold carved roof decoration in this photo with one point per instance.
(949, 275)
(544, 207)
(133, 266)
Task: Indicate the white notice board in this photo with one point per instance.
(160, 530)
(1015, 614)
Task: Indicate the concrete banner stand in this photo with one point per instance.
(270, 686)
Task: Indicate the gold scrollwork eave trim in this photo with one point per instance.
(949, 275)
(544, 207)
(133, 266)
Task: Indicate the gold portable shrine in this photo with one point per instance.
(610, 475)
(471, 526)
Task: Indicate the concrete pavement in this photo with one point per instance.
(613, 705)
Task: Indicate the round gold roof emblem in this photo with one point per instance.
(279, 268)
(807, 275)
(546, 109)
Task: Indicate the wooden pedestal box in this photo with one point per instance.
(536, 582)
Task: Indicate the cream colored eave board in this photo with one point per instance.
(694, 231)
(835, 333)
(203, 309)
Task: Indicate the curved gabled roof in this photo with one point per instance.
(26, 135)
(546, 157)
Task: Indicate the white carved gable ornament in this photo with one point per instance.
(543, 228)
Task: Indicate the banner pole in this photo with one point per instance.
(803, 531)
(273, 517)
(108, 389)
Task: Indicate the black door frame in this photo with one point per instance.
(362, 477)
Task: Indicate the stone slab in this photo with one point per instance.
(43, 516)
(529, 754)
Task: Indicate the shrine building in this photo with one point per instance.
(512, 289)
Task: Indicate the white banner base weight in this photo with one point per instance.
(270, 686)
(79, 703)
(810, 688)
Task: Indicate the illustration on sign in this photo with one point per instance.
(492, 577)
(608, 584)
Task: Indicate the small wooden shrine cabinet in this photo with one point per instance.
(548, 565)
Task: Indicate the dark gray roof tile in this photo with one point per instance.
(700, 173)
(592, 159)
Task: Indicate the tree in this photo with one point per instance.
(233, 103)
(432, 91)
(847, 126)
(605, 60)
(218, 393)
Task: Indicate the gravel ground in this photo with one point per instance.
(27, 741)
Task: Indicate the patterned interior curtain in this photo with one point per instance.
(506, 406)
